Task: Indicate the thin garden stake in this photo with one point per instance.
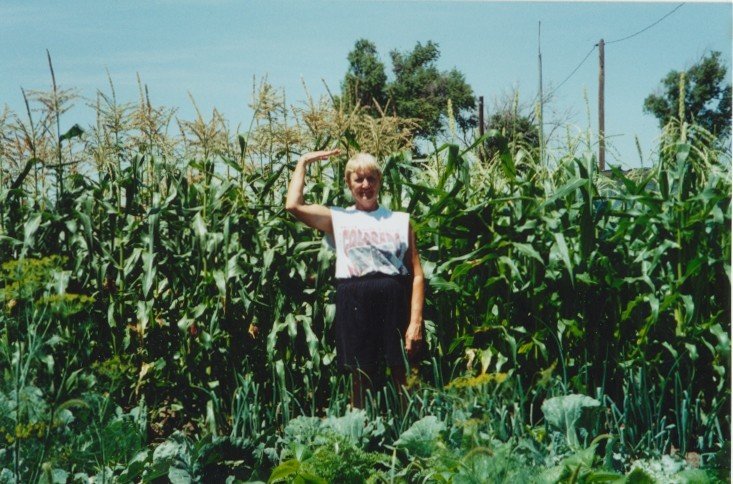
(57, 115)
(601, 109)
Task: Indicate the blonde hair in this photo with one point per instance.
(363, 161)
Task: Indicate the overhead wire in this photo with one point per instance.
(574, 70)
(647, 27)
(612, 42)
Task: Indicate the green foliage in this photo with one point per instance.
(421, 438)
(707, 97)
(580, 466)
(168, 298)
(341, 461)
(26, 279)
(570, 413)
(508, 127)
(418, 90)
(354, 427)
(498, 465)
(293, 471)
(667, 469)
(77, 435)
(365, 82)
(181, 459)
(329, 450)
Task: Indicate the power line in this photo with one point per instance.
(574, 70)
(647, 27)
(613, 42)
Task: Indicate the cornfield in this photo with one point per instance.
(162, 315)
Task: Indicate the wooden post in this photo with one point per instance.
(601, 110)
(481, 124)
(481, 115)
(542, 100)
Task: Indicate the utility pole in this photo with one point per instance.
(481, 124)
(541, 100)
(481, 115)
(601, 112)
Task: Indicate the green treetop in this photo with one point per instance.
(707, 97)
(418, 89)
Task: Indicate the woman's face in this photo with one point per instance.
(364, 186)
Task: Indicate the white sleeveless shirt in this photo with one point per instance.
(370, 242)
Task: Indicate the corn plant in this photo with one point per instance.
(195, 296)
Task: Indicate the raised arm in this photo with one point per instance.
(414, 333)
(316, 216)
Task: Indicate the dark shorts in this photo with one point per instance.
(372, 313)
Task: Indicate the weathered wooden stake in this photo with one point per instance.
(481, 124)
(601, 110)
(540, 114)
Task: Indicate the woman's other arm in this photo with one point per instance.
(316, 216)
(414, 333)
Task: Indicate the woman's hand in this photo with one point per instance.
(316, 216)
(413, 339)
(309, 158)
(414, 333)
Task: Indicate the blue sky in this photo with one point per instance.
(212, 49)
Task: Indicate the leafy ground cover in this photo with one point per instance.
(163, 317)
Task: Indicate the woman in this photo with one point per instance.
(380, 283)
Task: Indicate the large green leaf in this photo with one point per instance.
(421, 439)
(567, 414)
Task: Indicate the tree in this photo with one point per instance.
(511, 126)
(507, 126)
(365, 82)
(418, 90)
(707, 98)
